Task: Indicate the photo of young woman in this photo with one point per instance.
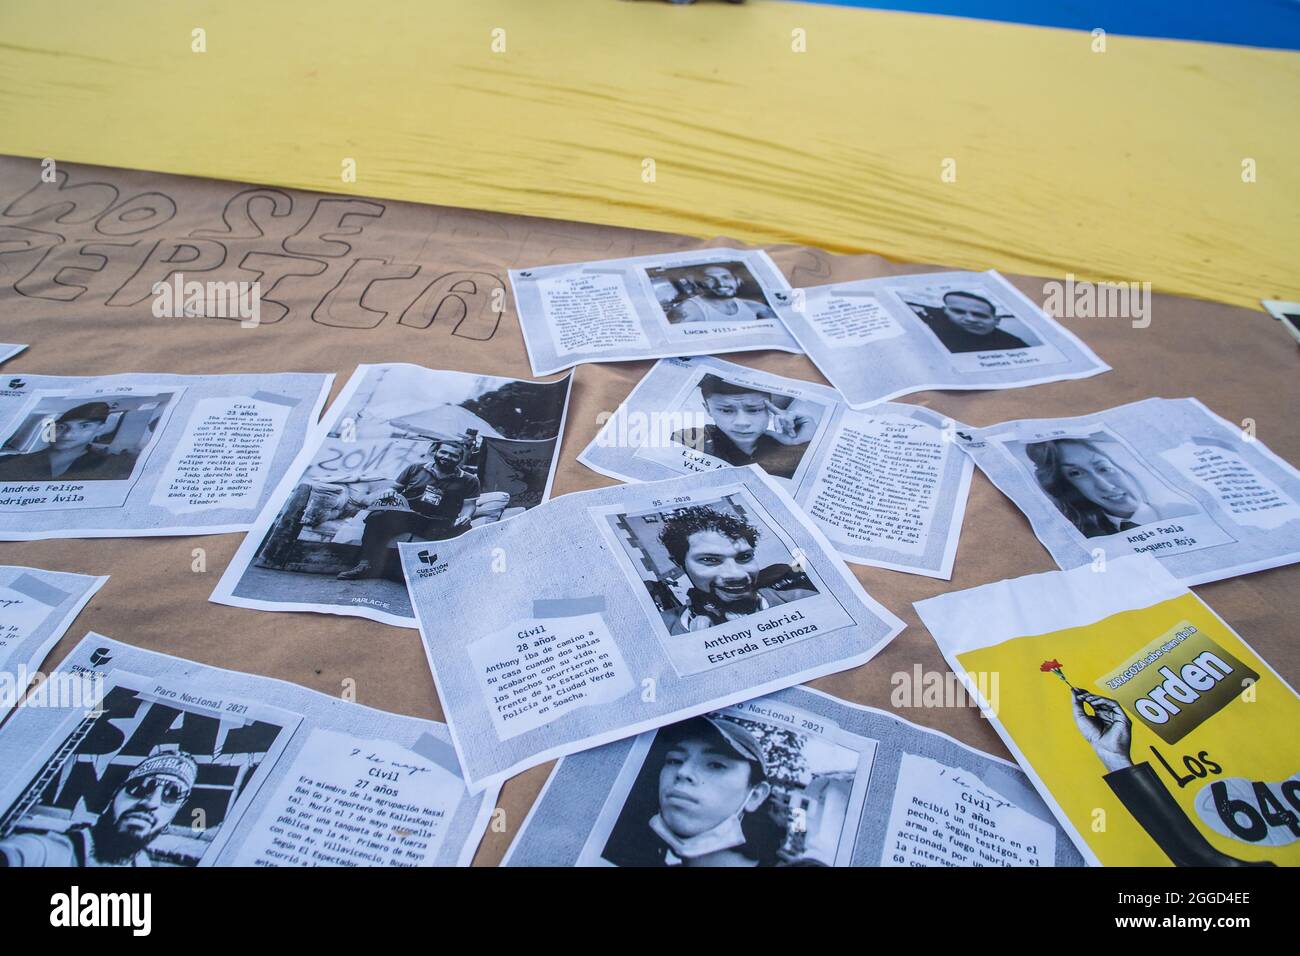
(1098, 492)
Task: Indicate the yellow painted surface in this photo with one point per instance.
(1126, 164)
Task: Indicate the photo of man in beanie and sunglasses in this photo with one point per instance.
(140, 809)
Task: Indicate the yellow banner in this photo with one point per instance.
(924, 139)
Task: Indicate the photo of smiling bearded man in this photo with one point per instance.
(717, 552)
(141, 808)
(716, 292)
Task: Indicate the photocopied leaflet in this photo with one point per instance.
(886, 486)
(135, 758)
(797, 778)
(137, 455)
(683, 303)
(877, 339)
(36, 609)
(405, 453)
(677, 597)
(1165, 477)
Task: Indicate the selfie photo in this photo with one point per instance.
(79, 438)
(725, 789)
(90, 802)
(746, 425)
(1100, 485)
(717, 292)
(709, 564)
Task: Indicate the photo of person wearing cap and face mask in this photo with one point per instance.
(140, 809)
(713, 790)
(751, 427)
(69, 455)
(731, 788)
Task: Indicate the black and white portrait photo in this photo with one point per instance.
(725, 789)
(1100, 485)
(747, 425)
(969, 320)
(82, 438)
(714, 292)
(708, 564)
(147, 781)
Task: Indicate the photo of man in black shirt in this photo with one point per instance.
(69, 456)
(432, 499)
(968, 323)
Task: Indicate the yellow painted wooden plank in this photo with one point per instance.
(1126, 164)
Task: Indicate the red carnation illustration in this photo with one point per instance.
(1054, 667)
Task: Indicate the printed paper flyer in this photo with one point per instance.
(1155, 732)
(797, 778)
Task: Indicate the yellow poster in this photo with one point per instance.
(1157, 734)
